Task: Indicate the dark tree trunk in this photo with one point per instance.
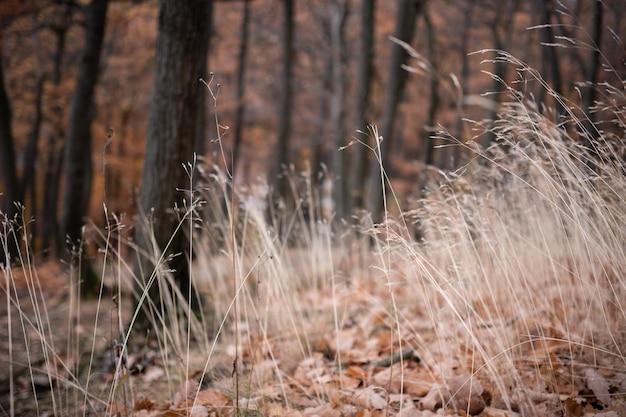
(406, 16)
(241, 84)
(433, 102)
(284, 106)
(591, 77)
(77, 158)
(181, 56)
(50, 234)
(549, 53)
(12, 194)
(200, 141)
(321, 151)
(28, 178)
(461, 129)
(358, 170)
(502, 31)
(338, 15)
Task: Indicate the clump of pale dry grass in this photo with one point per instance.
(519, 257)
(522, 254)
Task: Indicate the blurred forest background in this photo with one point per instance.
(293, 80)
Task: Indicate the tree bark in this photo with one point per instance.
(77, 152)
(461, 130)
(503, 23)
(241, 84)
(50, 234)
(433, 102)
(177, 98)
(200, 142)
(406, 16)
(338, 15)
(284, 107)
(549, 53)
(28, 177)
(590, 92)
(12, 194)
(358, 170)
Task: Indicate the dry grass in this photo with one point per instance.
(515, 284)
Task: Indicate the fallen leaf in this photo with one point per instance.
(436, 397)
(324, 410)
(467, 394)
(369, 398)
(417, 382)
(143, 404)
(356, 372)
(198, 411)
(391, 378)
(212, 398)
(572, 408)
(495, 412)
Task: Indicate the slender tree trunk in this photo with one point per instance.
(12, 194)
(549, 53)
(502, 31)
(406, 16)
(321, 152)
(181, 56)
(590, 92)
(77, 158)
(29, 176)
(200, 141)
(433, 102)
(241, 84)
(50, 233)
(461, 130)
(358, 170)
(285, 105)
(338, 15)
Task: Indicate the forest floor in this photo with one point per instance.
(362, 369)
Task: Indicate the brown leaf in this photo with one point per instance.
(143, 404)
(417, 382)
(467, 394)
(356, 372)
(390, 378)
(436, 397)
(324, 410)
(369, 398)
(572, 408)
(213, 398)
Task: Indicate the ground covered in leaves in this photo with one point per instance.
(362, 364)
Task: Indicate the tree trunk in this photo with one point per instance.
(503, 23)
(77, 153)
(241, 83)
(406, 16)
(50, 234)
(433, 102)
(200, 141)
(461, 130)
(549, 57)
(590, 91)
(28, 178)
(11, 193)
(358, 169)
(321, 152)
(284, 106)
(181, 56)
(338, 15)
